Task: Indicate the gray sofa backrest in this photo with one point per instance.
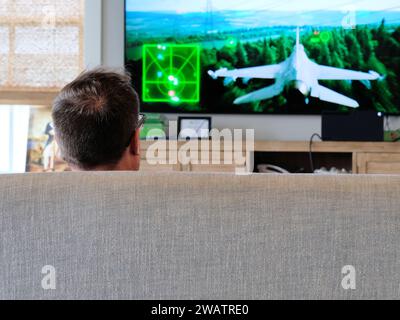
(180, 236)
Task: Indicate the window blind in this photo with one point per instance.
(41, 48)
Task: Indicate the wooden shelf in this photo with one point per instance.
(359, 157)
(329, 146)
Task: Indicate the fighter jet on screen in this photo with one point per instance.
(298, 73)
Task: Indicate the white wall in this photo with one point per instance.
(93, 33)
(267, 127)
(14, 124)
(113, 33)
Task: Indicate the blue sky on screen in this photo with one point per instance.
(276, 5)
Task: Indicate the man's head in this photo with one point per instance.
(96, 120)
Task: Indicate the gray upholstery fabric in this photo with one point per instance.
(182, 236)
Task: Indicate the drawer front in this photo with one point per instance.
(378, 163)
(210, 168)
(383, 168)
(146, 167)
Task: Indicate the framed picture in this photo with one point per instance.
(43, 154)
(194, 128)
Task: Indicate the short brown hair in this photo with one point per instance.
(95, 116)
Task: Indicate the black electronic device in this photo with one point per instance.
(354, 126)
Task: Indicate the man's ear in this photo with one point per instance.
(134, 147)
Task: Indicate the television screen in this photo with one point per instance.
(264, 56)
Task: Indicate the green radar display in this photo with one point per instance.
(171, 73)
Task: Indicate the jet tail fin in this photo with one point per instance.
(298, 37)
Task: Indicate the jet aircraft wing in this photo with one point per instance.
(329, 95)
(262, 94)
(263, 72)
(331, 73)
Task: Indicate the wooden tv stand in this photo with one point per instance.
(357, 157)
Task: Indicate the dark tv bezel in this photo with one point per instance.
(244, 113)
